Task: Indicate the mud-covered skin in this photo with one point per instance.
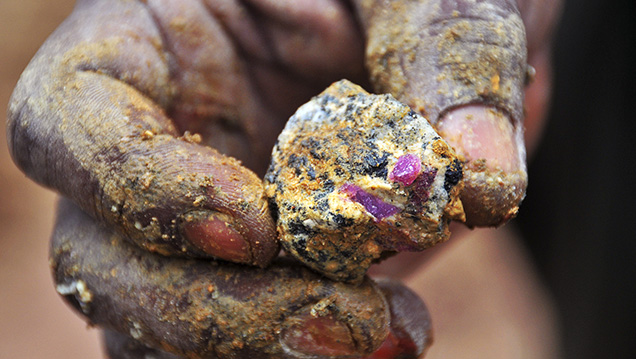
(436, 55)
(120, 346)
(413, 318)
(202, 309)
(95, 116)
(354, 175)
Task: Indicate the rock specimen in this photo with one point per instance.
(355, 176)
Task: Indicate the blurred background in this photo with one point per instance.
(34, 322)
(577, 219)
(578, 216)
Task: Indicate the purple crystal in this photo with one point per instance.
(374, 205)
(423, 183)
(406, 169)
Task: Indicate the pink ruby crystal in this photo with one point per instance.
(406, 169)
(374, 205)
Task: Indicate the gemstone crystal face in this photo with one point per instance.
(406, 169)
(372, 204)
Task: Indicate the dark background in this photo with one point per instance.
(578, 217)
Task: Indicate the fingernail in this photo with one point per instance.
(216, 234)
(410, 334)
(483, 134)
(310, 335)
(396, 346)
(495, 172)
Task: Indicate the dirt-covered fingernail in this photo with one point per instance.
(216, 234)
(484, 134)
(410, 333)
(396, 346)
(310, 335)
(495, 172)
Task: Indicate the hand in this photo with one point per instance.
(207, 309)
(101, 113)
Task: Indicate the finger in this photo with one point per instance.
(409, 336)
(540, 18)
(292, 49)
(199, 308)
(463, 65)
(88, 118)
(411, 332)
(314, 39)
(120, 346)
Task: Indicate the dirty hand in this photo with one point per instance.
(119, 112)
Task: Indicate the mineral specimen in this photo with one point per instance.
(354, 176)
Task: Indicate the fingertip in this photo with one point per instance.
(229, 217)
(410, 332)
(322, 336)
(486, 134)
(350, 322)
(217, 234)
(493, 149)
(260, 232)
(225, 237)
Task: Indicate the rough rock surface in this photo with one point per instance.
(355, 176)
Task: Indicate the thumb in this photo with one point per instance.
(463, 65)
